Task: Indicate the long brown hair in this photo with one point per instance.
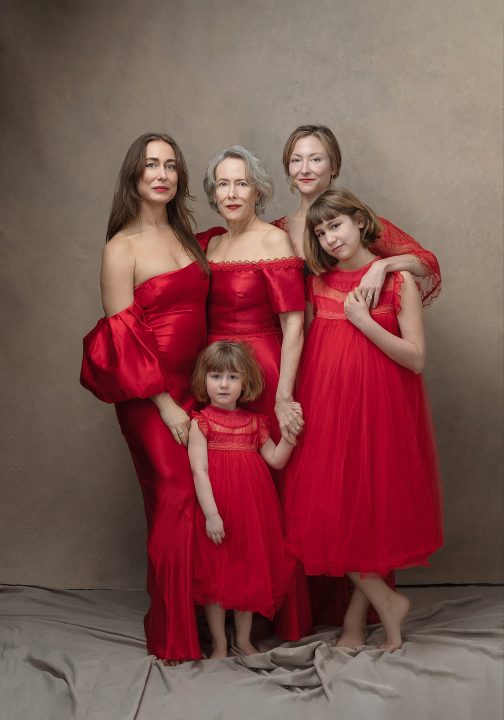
(327, 206)
(126, 202)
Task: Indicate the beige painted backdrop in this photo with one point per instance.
(412, 89)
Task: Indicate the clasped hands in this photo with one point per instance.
(290, 418)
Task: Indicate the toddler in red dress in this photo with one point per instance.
(240, 560)
(362, 490)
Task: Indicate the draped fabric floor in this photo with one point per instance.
(74, 655)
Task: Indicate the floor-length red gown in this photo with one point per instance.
(149, 348)
(362, 489)
(244, 302)
(249, 570)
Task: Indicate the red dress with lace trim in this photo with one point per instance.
(394, 241)
(244, 303)
(146, 349)
(362, 490)
(249, 570)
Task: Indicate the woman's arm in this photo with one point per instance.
(198, 457)
(408, 350)
(399, 251)
(277, 456)
(372, 282)
(117, 276)
(289, 420)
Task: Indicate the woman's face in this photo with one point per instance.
(310, 166)
(235, 195)
(158, 183)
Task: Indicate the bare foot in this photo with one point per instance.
(171, 663)
(391, 619)
(218, 653)
(245, 647)
(351, 637)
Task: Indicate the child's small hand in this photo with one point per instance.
(356, 309)
(215, 529)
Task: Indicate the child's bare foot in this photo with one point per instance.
(245, 647)
(391, 619)
(171, 663)
(351, 637)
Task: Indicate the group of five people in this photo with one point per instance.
(219, 318)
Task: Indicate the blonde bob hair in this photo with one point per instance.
(327, 206)
(255, 173)
(225, 356)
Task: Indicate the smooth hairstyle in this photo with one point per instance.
(326, 137)
(126, 203)
(329, 205)
(254, 173)
(225, 356)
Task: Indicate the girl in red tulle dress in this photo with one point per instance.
(362, 491)
(240, 561)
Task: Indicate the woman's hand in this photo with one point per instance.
(215, 529)
(174, 417)
(372, 283)
(356, 309)
(290, 418)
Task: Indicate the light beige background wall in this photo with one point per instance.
(412, 89)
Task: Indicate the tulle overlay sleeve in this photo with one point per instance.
(263, 429)
(285, 284)
(121, 358)
(202, 422)
(394, 241)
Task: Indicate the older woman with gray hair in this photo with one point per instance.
(257, 287)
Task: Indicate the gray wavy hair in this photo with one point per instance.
(254, 170)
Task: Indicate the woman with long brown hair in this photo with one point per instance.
(140, 356)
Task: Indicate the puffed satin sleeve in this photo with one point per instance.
(394, 241)
(121, 358)
(285, 283)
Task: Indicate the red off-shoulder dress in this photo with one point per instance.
(362, 489)
(249, 570)
(146, 349)
(244, 302)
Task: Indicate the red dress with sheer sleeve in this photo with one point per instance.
(146, 349)
(249, 570)
(394, 241)
(362, 489)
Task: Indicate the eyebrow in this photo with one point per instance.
(320, 152)
(157, 159)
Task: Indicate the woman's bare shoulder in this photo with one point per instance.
(277, 243)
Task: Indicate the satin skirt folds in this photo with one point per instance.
(166, 481)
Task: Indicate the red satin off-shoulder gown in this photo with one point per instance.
(244, 303)
(146, 349)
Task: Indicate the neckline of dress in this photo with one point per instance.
(356, 270)
(262, 261)
(222, 411)
(168, 272)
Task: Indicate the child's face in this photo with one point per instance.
(340, 237)
(224, 388)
